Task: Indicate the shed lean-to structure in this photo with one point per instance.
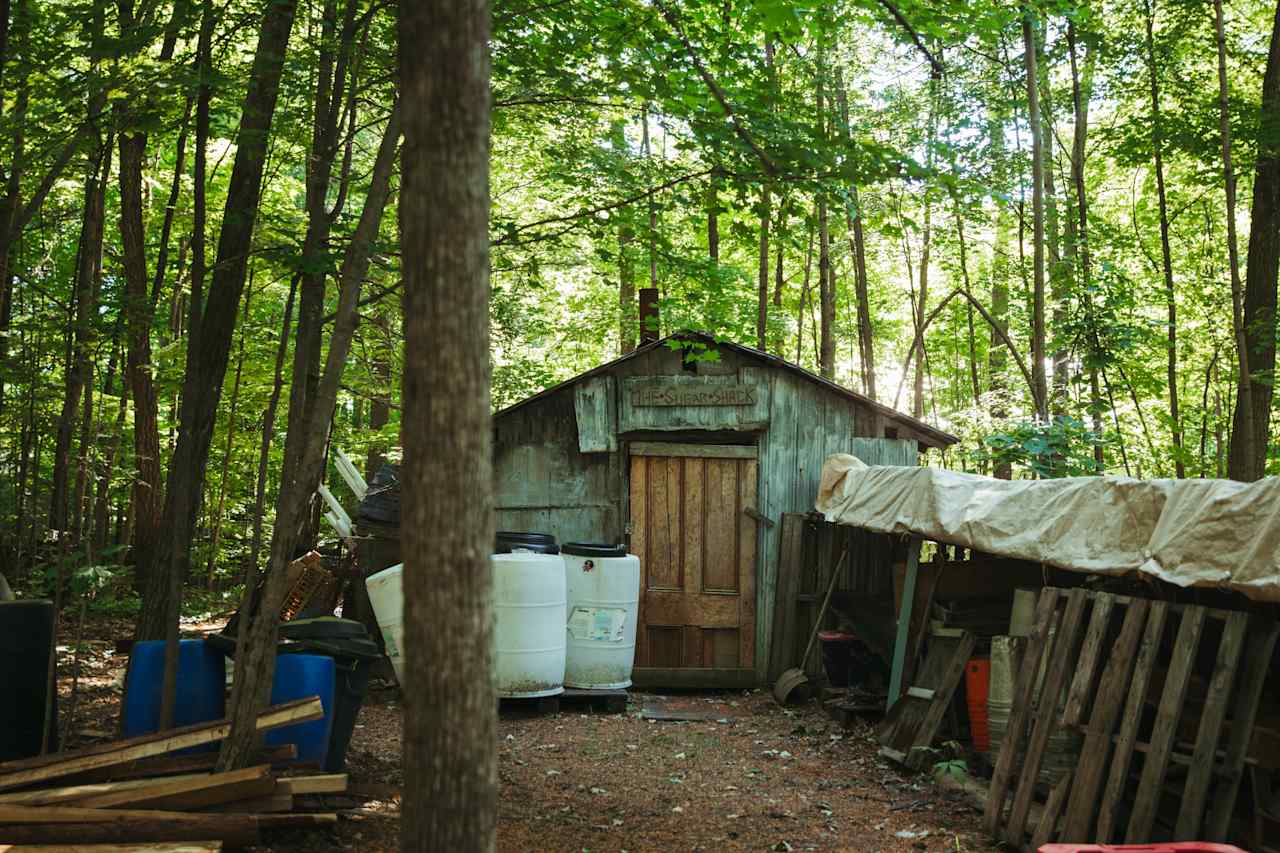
(690, 461)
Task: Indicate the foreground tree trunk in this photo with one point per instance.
(450, 727)
(1250, 433)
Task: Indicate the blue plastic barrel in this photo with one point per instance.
(202, 684)
(297, 677)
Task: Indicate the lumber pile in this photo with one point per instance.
(134, 795)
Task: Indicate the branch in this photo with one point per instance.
(915, 37)
(510, 236)
(738, 127)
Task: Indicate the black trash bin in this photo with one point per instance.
(353, 653)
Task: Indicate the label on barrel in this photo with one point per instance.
(597, 623)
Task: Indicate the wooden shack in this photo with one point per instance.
(690, 450)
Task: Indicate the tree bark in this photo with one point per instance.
(826, 296)
(1166, 256)
(762, 289)
(1081, 89)
(1261, 268)
(79, 366)
(626, 291)
(216, 537)
(268, 432)
(858, 248)
(303, 471)
(450, 727)
(1040, 390)
(209, 342)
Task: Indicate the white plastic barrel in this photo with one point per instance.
(386, 594)
(604, 594)
(529, 617)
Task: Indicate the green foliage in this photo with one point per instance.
(1061, 448)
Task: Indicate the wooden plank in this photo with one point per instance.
(1057, 671)
(1047, 826)
(638, 524)
(1082, 684)
(319, 784)
(148, 769)
(692, 534)
(920, 693)
(721, 518)
(161, 847)
(697, 451)
(790, 552)
(71, 793)
(1106, 710)
(904, 620)
(940, 695)
(596, 412)
(1023, 689)
(1196, 791)
(268, 804)
(1136, 690)
(1261, 647)
(748, 481)
(146, 746)
(118, 827)
(1156, 762)
(926, 584)
(186, 794)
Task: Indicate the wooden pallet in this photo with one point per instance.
(1098, 677)
(909, 727)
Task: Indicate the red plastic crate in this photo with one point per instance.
(1173, 847)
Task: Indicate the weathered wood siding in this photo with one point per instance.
(542, 481)
(807, 424)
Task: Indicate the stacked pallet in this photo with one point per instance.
(135, 795)
(1093, 663)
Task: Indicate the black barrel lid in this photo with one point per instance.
(593, 549)
(540, 543)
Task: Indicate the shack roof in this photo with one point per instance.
(938, 437)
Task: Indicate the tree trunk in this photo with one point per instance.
(997, 352)
(804, 297)
(1166, 257)
(268, 432)
(1040, 390)
(215, 538)
(303, 470)
(1244, 446)
(79, 367)
(858, 248)
(826, 298)
(209, 342)
(626, 291)
(450, 727)
(1081, 89)
(762, 293)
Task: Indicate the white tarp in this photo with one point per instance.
(1188, 532)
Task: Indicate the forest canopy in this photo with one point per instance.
(1051, 229)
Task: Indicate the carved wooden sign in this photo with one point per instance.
(691, 394)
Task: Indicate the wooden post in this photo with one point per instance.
(904, 621)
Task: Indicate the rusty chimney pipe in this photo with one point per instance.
(648, 314)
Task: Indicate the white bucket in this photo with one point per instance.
(603, 585)
(386, 594)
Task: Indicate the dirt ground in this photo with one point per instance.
(753, 776)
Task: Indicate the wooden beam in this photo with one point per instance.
(904, 621)
(71, 826)
(705, 451)
(71, 793)
(183, 794)
(148, 769)
(327, 783)
(19, 774)
(159, 847)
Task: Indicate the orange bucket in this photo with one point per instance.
(977, 682)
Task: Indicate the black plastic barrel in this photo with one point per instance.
(381, 502)
(26, 640)
(507, 541)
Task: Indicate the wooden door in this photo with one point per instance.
(697, 549)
